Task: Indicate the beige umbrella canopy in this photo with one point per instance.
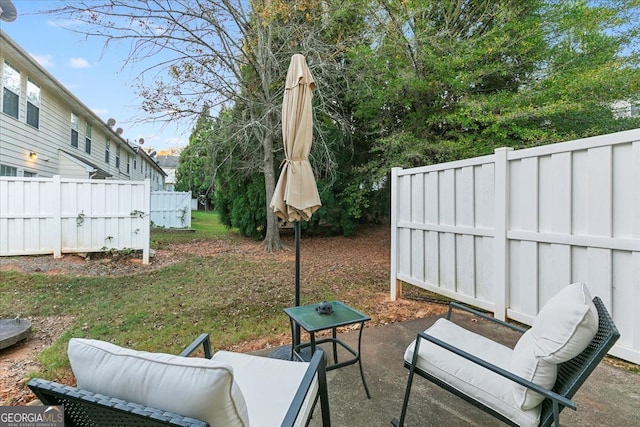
(296, 196)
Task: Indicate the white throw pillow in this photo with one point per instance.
(566, 324)
(190, 386)
(525, 364)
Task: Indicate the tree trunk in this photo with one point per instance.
(267, 66)
(271, 241)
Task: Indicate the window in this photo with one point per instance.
(33, 104)
(28, 174)
(118, 157)
(128, 163)
(8, 170)
(10, 91)
(87, 139)
(74, 130)
(107, 147)
(135, 164)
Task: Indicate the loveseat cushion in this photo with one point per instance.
(566, 324)
(195, 387)
(269, 386)
(525, 364)
(486, 386)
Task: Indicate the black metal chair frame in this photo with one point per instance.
(571, 374)
(83, 408)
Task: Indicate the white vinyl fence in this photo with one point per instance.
(507, 231)
(63, 215)
(171, 209)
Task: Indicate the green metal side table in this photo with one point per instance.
(306, 317)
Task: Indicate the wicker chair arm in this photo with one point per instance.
(316, 368)
(203, 340)
(77, 401)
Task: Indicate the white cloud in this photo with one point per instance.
(79, 63)
(64, 23)
(148, 26)
(45, 60)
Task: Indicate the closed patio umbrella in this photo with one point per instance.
(296, 196)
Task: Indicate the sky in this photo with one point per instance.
(95, 76)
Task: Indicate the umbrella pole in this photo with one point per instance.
(297, 282)
(296, 338)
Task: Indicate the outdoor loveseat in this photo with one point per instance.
(525, 386)
(122, 387)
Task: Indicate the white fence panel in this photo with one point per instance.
(171, 209)
(441, 216)
(505, 232)
(62, 215)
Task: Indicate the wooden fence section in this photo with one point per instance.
(505, 232)
(62, 215)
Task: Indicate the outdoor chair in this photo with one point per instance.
(525, 386)
(122, 387)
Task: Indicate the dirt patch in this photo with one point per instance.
(107, 264)
(20, 359)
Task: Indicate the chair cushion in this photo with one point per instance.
(268, 386)
(525, 364)
(566, 324)
(562, 329)
(190, 386)
(486, 386)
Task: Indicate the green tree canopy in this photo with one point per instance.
(399, 83)
(458, 79)
(195, 166)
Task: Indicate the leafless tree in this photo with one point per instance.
(224, 53)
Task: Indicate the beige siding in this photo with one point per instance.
(72, 168)
(18, 138)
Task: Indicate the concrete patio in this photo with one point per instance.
(610, 397)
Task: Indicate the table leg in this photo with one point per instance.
(313, 342)
(335, 346)
(366, 389)
(296, 334)
(293, 339)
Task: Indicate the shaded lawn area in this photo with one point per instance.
(236, 294)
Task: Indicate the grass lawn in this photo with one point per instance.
(230, 295)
